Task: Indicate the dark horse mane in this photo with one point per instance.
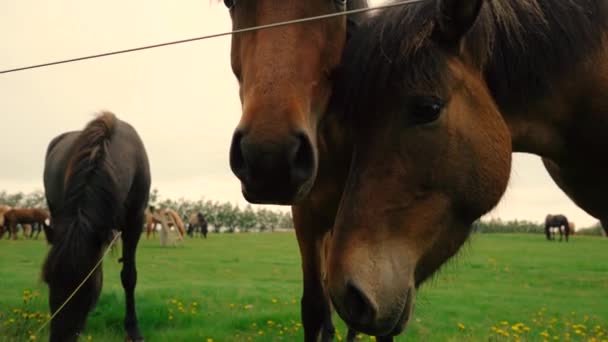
(89, 195)
(519, 45)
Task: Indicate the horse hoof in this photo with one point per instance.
(129, 339)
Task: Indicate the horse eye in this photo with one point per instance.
(426, 109)
(229, 3)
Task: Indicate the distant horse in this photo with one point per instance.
(572, 227)
(197, 221)
(23, 216)
(150, 221)
(156, 216)
(558, 222)
(3, 209)
(437, 96)
(177, 221)
(95, 180)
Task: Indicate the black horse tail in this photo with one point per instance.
(90, 208)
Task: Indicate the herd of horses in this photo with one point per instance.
(169, 218)
(389, 134)
(33, 221)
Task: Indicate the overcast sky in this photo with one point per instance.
(182, 99)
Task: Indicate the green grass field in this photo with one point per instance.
(247, 287)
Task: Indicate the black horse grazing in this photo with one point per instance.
(95, 180)
(197, 221)
(557, 221)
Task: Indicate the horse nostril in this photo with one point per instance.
(358, 306)
(237, 161)
(301, 159)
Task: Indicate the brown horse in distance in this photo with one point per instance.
(96, 181)
(153, 216)
(3, 209)
(285, 148)
(437, 97)
(23, 216)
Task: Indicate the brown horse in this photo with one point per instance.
(284, 144)
(438, 95)
(95, 180)
(23, 216)
(572, 227)
(3, 209)
(284, 75)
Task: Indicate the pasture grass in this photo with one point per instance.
(247, 287)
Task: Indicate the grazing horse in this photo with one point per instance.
(151, 220)
(23, 216)
(285, 149)
(572, 227)
(95, 180)
(3, 209)
(437, 96)
(557, 222)
(170, 217)
(197, 221)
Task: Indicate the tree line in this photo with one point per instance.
(227, 217)
(523, 226)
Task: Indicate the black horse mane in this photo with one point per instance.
(85, 219)
(519, 45)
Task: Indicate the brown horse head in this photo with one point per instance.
(284, 75)
(431, 154)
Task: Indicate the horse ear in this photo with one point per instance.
(454, 19)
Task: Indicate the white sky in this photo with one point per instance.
(182, 99)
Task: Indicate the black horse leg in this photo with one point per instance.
(560, 234)
(128, 275)
(38, 230)
(34, 227)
